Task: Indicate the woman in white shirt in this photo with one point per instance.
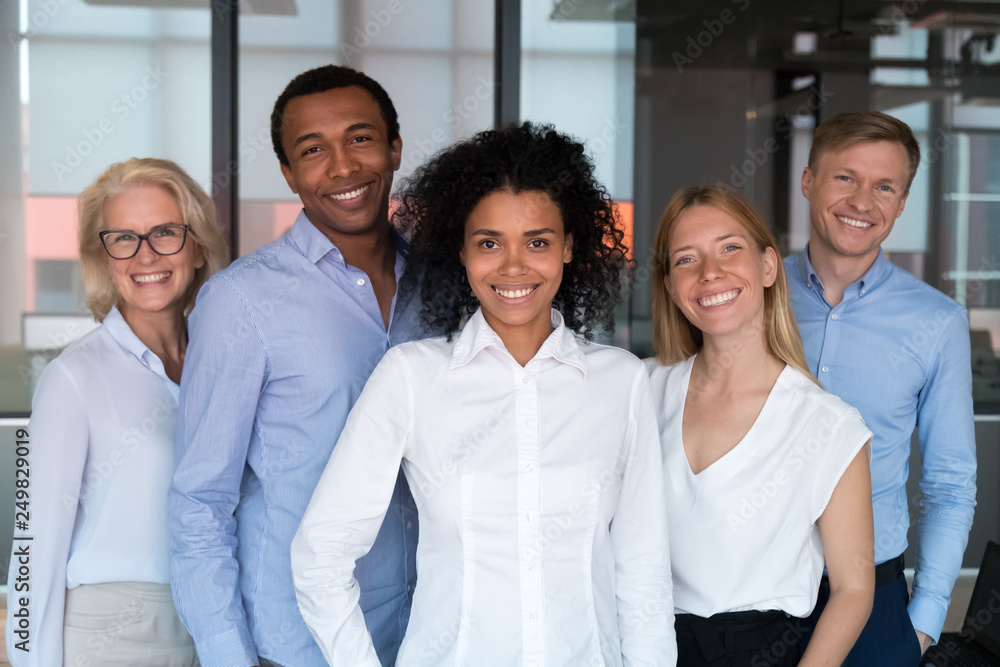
(102, 432)
(531, 452)
(766, 473)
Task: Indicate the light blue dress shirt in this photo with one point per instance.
(281, 345)
(898, 350)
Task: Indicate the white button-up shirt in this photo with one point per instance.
(103, 422)
(543, 538)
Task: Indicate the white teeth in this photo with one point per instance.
(854, 223)
(352, 194)
(719, 299)
(514, 294)
(151, 278)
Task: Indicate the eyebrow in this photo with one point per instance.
(530, 232)
(151, 229)
(319, 135)
(307, 137)
(360, 126)
(720, 238)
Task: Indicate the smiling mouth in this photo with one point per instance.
(718, 299)
(353, 194)
(514, 293)
(151, 277)
(860, 224)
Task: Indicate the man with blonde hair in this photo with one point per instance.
(897, 350)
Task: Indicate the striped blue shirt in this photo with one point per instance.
(281, 345)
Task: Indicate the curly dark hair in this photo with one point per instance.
(440, 195)
(320, 80)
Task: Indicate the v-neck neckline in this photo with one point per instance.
(733, 452)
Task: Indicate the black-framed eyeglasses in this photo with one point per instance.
(163, 240)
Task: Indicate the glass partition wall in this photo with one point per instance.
(729, 91)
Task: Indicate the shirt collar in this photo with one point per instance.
(477, 335)
(119, 329)
(315, 245)
(122, 333)
(873, 276)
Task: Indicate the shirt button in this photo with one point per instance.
(409, 525)
(531, 565)
(409, 588)
(525, 380)
(825, 369)
(360, 281)
(528, 467)
(533, 616)
(529, 517)
(834, 316)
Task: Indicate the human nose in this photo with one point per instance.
(710, 269)
(145, 252)
(341, 163)
(512, 263)
(861, 199)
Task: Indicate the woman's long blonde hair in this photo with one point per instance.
(674, 337)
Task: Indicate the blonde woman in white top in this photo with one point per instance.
(532, 453)
(767, 474)
(102, 433)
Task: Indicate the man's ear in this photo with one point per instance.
(807, 179)
(902, 205)
(396, 148)
(286, 171)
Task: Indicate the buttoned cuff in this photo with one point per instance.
(233, 648)
(927, 616)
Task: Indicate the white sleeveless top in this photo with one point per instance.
(743, 532)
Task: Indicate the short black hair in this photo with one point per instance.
(320, 80)
(438, 198)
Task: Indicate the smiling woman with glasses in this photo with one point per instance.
(103, 423)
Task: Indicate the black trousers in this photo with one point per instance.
(739, 639)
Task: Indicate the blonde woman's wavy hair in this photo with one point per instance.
(197, 212)
(674, 337)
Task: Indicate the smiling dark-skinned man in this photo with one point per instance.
(281, 344)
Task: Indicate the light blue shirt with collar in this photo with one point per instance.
(281, 345)
(898, 350)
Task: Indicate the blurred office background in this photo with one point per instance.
(665, 94)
